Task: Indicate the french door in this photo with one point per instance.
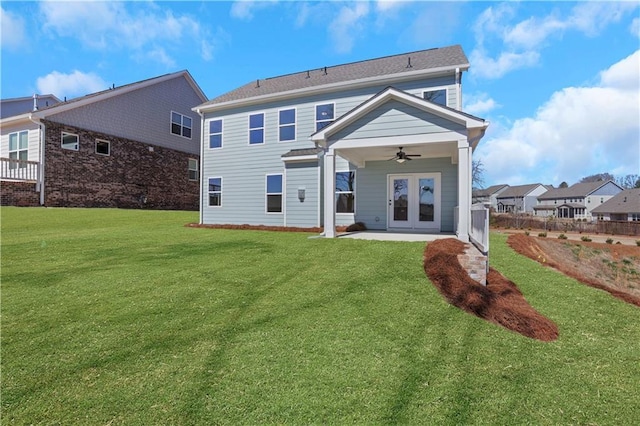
(414, 201)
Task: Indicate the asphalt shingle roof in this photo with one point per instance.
(488, 191)
(574, 191)
(518, 191)
(627, 201)
(451, 56)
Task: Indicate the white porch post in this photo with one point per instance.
(464, 189)
(329, 194)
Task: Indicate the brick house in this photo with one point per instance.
(134, 146)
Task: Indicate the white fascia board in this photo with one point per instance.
(16, 119)
(300, 158)
(72, 104)
(325, 88)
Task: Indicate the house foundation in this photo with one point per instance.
(475, 263)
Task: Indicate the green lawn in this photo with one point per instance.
(129, 317)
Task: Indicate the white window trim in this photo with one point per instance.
(435, 88)
(221, 133)
(103, 141)
(197, 170)
(315, 114)
(18, 150)
(347, 192)
(77, 148)
(213, 192)
(182, 126)
(264, 128)
(295, 125)
(266, 194)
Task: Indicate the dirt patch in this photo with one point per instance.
(500, 302)
(614, 268)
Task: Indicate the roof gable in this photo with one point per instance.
(578, 190)
(627, 201)
(392, 94)
(518, 191)
(117, 91)
(388, 68)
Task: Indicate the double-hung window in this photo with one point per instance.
(345, 192)
(215, 134)
(18, 149)
(436, 96)
(287, 125)
(274, 193)
(324, 115)
(180, 125)
(215, 192)
(193, 169)
(256, 129)
(70, 141)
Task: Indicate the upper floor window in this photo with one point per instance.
(274, 193)
(103, 147)
(70, 141)
(215, 134)
(215, 192)
(180, 125)
(436, 96)
(345, 192)
(18, 148)
(193, 169)
(256, 129)
(324, 115)
(287, 125)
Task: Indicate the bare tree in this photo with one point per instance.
(597, 177)
(628, 181)
(477, 171)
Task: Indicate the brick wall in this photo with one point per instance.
(475, 263)
(21, 194)
(134, 175)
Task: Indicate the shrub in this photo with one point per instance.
(526, 233)
(562, 237)
(542, 234)
(638, 243)
(358, 226)
(609, 241)
(586, 239)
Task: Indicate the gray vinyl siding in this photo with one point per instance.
(372, 190)
(608, 189)
(143, 115)
(243, 167)
(302, 176)
(396, 119)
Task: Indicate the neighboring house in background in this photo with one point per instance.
(16, 106)
(576, 201)
(625, 206)
(489, 195)
(136, 145)
(381, 141)
(520, 198)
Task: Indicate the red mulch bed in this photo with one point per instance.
(500, 302)
(526, 246)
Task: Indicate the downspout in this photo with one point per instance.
(201, 201)
(41, 138)
(459, 84)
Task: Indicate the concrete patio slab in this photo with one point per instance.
(394, 236)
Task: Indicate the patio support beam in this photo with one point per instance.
(464, 190)
(329, 193)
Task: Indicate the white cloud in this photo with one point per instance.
(478, 104)
(386, 6)
(519, 44)
(577, 132)
(347, 26)
(116, 25)
(635, 27)
(74, 84)
(13, 30)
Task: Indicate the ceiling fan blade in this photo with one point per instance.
(414, 155)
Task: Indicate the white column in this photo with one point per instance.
(464, 190)
(329, 194)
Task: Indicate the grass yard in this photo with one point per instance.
(129, 317)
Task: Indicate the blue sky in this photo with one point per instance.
(559, 81)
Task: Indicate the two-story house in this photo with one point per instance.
(519, 198)
(136, 145)
(381, 141)
(489, 195)
(625, 206)
(576, 201)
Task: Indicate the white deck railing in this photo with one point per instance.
(19, 170)
(479, 233)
